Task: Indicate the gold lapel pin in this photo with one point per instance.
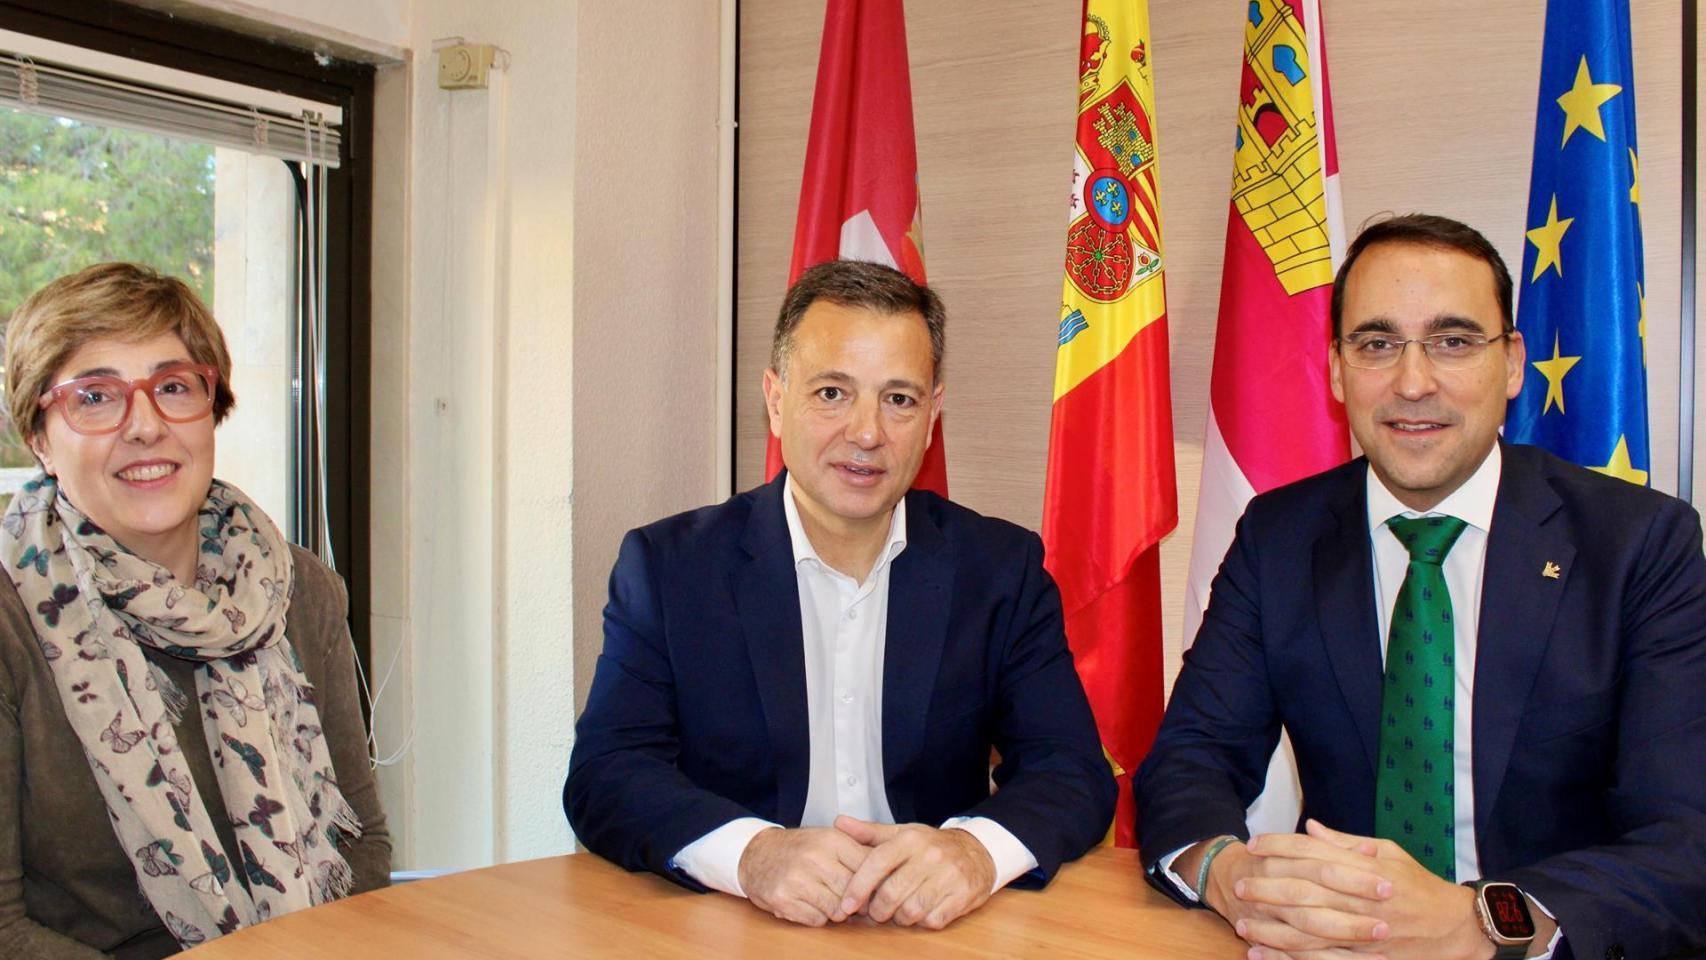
(1551, 571)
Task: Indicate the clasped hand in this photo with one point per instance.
(1326, 895)
(911, 874)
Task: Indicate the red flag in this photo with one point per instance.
(1110, 494)
(859, 197)
(1272, 417)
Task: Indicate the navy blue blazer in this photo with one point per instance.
(1589, 723)
(697, 713)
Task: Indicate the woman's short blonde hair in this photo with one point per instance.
(119, 301)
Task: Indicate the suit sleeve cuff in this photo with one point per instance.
(1012, 858)
(1165, 867)
(714, 859)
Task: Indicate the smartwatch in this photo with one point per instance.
(1504, 916)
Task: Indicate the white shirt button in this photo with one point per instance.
(852, 781)
(852, 614)
(847, 698)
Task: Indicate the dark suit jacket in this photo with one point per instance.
(1589, 725)
(697, 713)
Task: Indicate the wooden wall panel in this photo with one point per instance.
(1435, 111)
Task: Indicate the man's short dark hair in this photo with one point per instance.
(1427, 230)
(857, 283)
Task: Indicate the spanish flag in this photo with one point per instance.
(1110, 494)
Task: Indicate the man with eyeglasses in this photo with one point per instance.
(1491, 664)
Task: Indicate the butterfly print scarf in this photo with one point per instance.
(94, 605)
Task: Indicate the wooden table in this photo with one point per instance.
(582, 906)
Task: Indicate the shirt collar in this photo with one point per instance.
(1472, 502)
(803, 549)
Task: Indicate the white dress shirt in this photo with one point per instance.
(1473, 504)
(1463, 568)
(844, 624)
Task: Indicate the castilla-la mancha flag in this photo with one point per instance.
(859, 198)
(1110, 494)
(1272, 417)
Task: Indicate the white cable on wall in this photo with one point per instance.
(314, 203)
(314, 308)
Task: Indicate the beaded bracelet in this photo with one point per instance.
(1220, 843)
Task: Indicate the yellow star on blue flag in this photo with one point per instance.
(1587, 88)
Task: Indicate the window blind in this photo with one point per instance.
(55, 89)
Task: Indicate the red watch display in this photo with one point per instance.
(1503, 912)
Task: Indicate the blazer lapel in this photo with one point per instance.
(1519, 602)
(1344, 609)
(920, 594)
(767, 597)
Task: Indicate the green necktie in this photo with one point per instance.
(1414, 803)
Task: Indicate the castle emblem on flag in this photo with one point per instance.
(1276, 183)
(1120, 136)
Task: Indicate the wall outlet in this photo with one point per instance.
(465, 66)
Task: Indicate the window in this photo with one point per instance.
(74, 193)
(189, 182)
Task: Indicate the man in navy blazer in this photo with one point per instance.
(1577, 673)
(834, 656)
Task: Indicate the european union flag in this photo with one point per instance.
(1581, 305)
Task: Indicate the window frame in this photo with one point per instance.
(154, 37)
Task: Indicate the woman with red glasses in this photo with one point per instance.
(181, 748)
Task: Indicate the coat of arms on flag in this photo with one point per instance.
(1110, 494)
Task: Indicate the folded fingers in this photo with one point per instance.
(1351, 879)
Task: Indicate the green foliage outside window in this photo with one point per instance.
(74, 194)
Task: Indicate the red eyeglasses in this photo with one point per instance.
(180, 393)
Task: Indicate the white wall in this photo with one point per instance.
(646, 280)
(538, 386)
(459, 324)
(346, 26)
(382, 21)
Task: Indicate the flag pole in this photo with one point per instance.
(1690, 159)
(728, 244)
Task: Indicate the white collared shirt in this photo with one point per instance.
(1473, 504)
(844, 625)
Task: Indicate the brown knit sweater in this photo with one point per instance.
(67, 890)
